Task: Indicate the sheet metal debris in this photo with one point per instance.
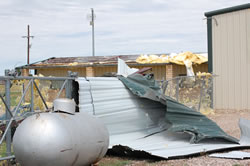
(143, 125)
(232, 155)
(181, 117)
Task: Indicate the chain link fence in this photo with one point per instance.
(194, 92)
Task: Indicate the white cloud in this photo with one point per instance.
(61, 28)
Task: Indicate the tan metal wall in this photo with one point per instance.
(99, 71)
(159, 71)
(61, 72)
(231, 60)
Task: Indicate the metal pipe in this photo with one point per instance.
(211, 93)
(44, 102)
(39, 78)
(165, 85)
(7, 158)
(201, 93)
(32, 96)
(6, 106)
(8, 117)
(177, 89)
(28, 45)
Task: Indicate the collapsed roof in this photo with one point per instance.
(141, 120)
(112, 60)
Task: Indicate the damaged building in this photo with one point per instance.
(100, 65)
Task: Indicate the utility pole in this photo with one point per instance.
(92, 23)
(28, 44)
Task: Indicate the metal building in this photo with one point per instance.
(228, 33)
(99, 65)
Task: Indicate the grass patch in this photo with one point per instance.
(3, 149)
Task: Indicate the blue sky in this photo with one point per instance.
(61, 27)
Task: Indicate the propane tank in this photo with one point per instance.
(60, 138)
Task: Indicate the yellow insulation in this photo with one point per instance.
(178, 59)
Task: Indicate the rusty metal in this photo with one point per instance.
(85, 61)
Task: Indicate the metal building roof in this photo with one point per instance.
(228, 10)
(81, 61)
(62, 62)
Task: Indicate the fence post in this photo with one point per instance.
(211, 93)
(201, 92)
(177, 89)
(32, 95)
(7, 114)
(69, 86)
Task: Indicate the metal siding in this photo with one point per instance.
(109, 99)
(237, 56)
(136, 122)
(243, 49)
(230, 60)
(214, 61)
(248, 54)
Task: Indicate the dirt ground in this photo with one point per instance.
(226, 119)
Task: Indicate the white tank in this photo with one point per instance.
(60, 139)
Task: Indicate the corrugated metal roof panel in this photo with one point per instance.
(136, 122)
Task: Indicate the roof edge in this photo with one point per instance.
(96, 65)
(27, 65)
(228, 10)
